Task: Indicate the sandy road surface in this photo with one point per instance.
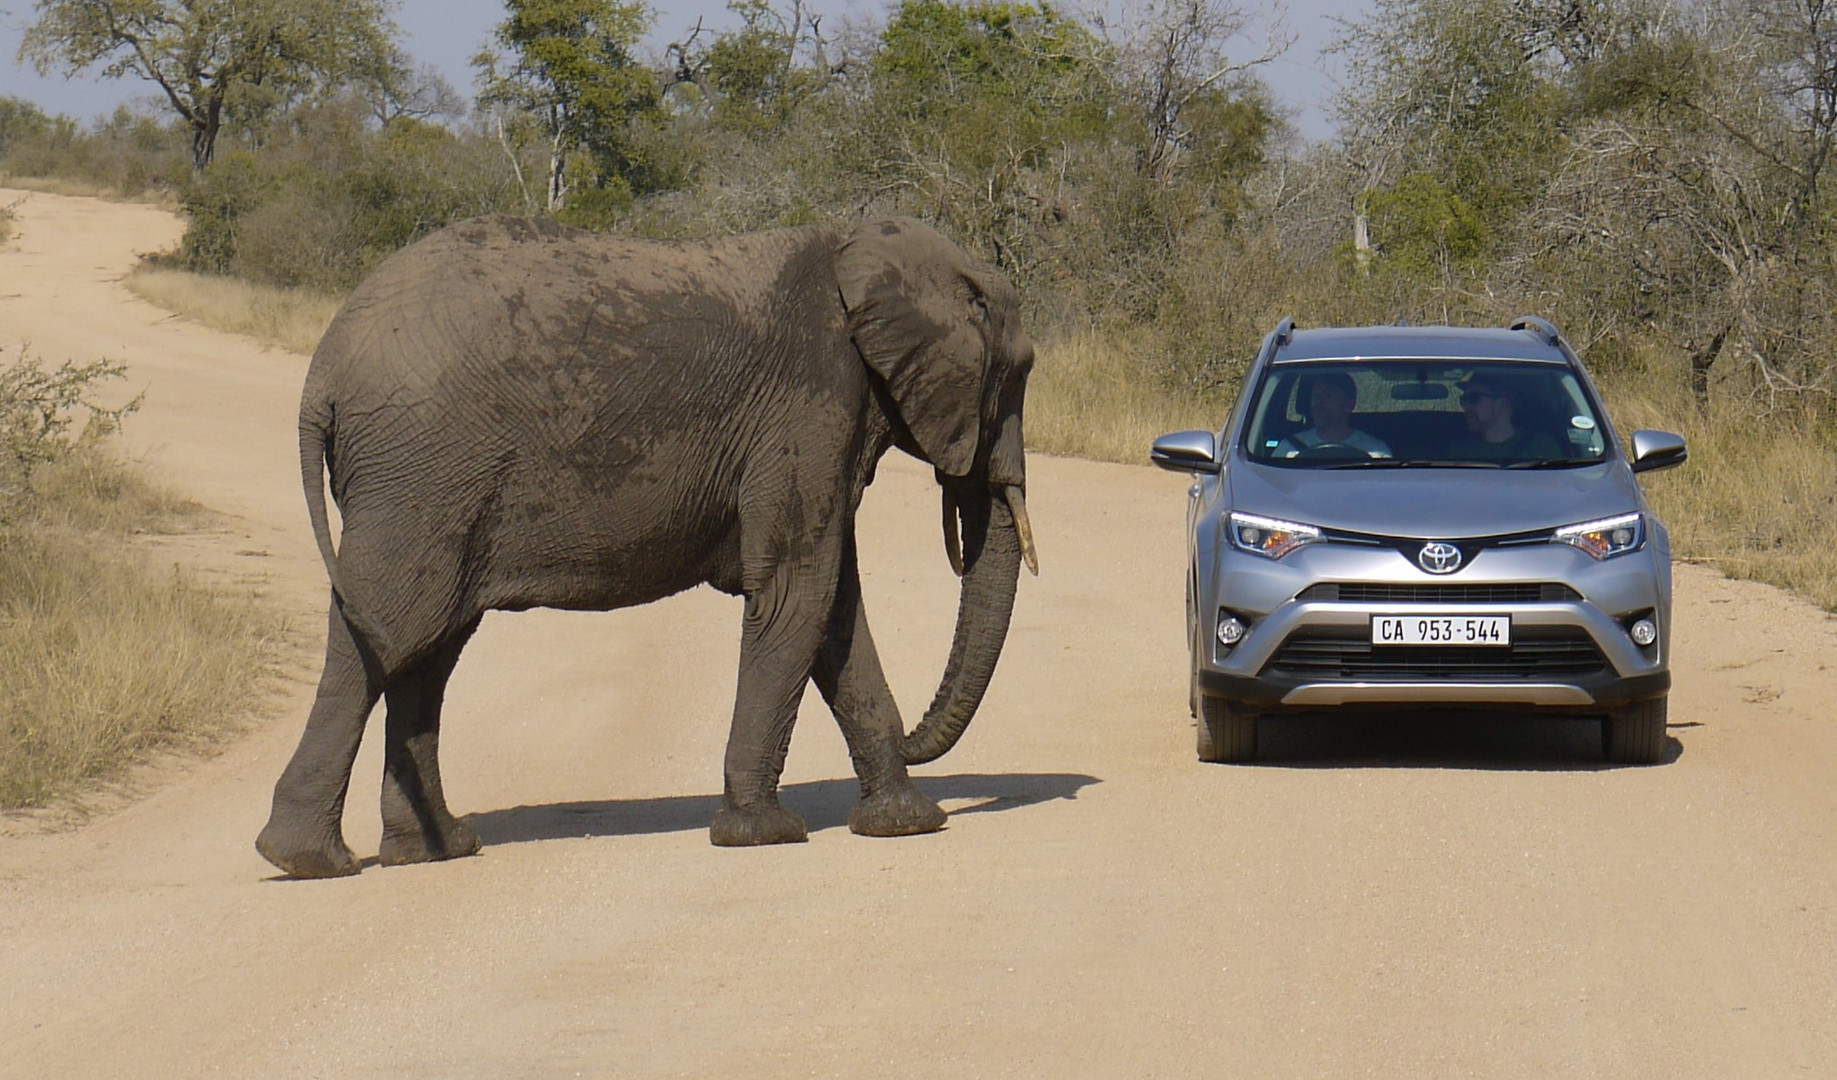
(1397, 898)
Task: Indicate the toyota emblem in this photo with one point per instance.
(1439, 558)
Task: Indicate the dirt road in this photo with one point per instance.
(1401, 898)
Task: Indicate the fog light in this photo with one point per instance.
(1230, 631)
(1643, 632)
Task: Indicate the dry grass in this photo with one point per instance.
(1088, 398)
(104, 658)
(1758, 497)
(293, 319)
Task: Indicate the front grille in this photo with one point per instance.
(1359, 592)
(1347, 653)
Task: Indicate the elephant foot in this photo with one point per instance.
(305, 856)
(450, 839)
(898, 810)
(751, 826)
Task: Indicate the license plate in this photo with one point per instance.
(1441, 629)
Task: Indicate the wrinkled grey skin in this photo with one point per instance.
(517, 415)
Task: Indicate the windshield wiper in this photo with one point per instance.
(1414, 463)
(1556, 463)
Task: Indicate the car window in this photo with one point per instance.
(1341, 414)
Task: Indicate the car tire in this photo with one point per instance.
(1227, 731)
(1635, 734)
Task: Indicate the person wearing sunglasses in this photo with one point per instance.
(1492, 406)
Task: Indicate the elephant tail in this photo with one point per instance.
(315, 437)
(318, 426)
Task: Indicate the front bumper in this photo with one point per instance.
(1574, 695)
(1569, 655)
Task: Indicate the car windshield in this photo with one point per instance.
(1340, 414)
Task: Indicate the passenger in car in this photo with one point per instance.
(1331, 400)
(1491, 403)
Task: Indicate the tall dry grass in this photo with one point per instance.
(1089, 397)
(293, 319)
(1758, 497)
(104, 657)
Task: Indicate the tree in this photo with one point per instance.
(403, 90)
(569, 64)
(1173, 58)
(977, 112)
(214, 59)
(753, 72)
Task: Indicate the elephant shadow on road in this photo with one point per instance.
(824, 804)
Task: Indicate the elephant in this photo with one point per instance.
(511, 414)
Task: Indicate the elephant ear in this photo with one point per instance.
(918, 319)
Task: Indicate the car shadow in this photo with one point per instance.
(823, 804)
(1438, 740)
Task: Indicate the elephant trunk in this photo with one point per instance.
(992, 546)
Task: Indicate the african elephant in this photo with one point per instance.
(513, 414)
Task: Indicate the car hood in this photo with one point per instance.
(1432, 503)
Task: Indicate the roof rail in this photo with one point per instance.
(1285, 331)
(1544, 328)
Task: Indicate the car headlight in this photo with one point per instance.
(1269, 536)
(1607, 537)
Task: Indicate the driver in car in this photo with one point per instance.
(1331, 400)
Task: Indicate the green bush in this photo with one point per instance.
(324, 199)
(39, 408)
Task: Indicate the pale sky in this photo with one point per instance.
(446, 33)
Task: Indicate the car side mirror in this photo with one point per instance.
(1186, 451)
(1657, 450)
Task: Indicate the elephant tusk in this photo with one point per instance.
(1023, 528)
(953, 542)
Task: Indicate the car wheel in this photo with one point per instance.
(1227, 731)
(1635, 734)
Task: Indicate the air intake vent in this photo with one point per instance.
(1360, 592)
(1334, 653)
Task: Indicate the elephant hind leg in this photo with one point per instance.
(305, 831)
(417, 827)
(849, 675)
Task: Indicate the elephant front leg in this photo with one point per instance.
(849, 675)
(304, 835)
(783, 627)
(417, 826)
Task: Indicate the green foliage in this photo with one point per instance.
(327, 197)
(20, 120)
(39, 408)
(753, 72)
(215, 60)
(570, 65)
(977, 111)
(126, 152)
(598, 207)
(1422, 228)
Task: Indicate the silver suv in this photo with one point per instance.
(1425, 516)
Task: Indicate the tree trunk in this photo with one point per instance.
(204, 129)
(1702, 360)
(558, 160)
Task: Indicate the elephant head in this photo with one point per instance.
(943, 335)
